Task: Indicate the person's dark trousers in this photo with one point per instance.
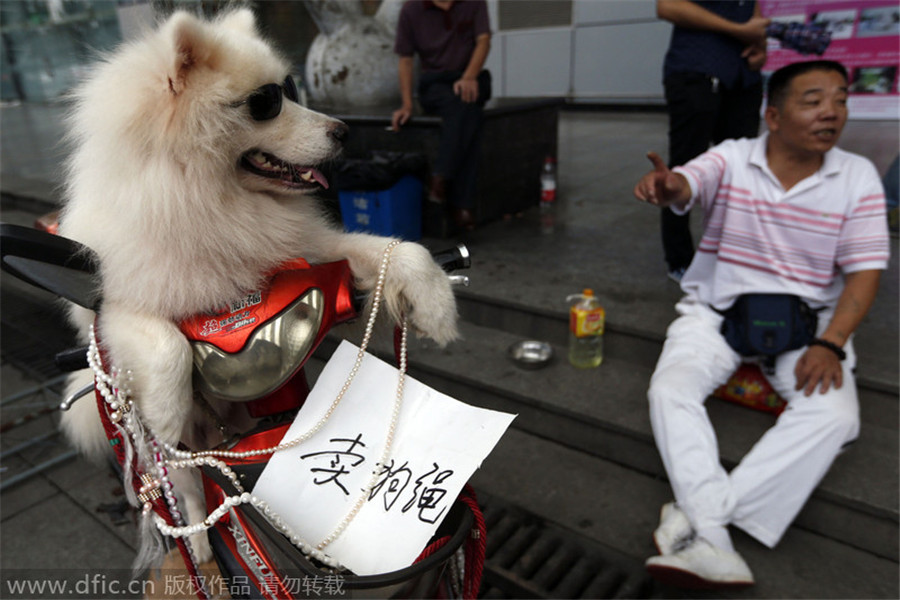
(461, 125)
(701, 112)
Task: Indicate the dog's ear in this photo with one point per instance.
(192, 47)
(241, 21)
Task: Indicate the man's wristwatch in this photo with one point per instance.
(833, 347)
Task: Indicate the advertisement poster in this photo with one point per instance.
(865, 38)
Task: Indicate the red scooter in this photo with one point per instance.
(252, 353)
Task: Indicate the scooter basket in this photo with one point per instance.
(250, 550)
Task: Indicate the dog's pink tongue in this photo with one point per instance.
(320, 178)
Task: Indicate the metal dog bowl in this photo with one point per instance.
(531, 354)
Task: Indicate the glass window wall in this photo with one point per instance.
(47, 43)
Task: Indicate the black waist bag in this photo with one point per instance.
(768, 325)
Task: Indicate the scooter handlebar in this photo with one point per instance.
(449, 260)
(453, 258)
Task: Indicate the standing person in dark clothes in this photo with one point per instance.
(713, 91)
(452, 40)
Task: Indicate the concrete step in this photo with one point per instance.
(617, 507)
(523, 274)
(602, 412)
(609, 508)
(644, 337)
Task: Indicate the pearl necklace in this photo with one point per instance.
(117, 395)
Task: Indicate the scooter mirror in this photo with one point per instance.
(51, 262)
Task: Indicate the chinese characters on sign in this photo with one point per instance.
(438, 443)
(337, 461)
(426, 495)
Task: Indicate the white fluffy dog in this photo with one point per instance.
(189, 194)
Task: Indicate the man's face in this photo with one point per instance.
(812, 115)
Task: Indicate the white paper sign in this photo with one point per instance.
(438, 444)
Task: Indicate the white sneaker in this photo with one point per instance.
(700, 565)
(674, 531)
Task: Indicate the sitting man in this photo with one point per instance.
(786, 213)
(452, 39)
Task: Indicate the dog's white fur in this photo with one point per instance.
(155, 188)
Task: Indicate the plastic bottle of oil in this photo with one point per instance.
(586, 323)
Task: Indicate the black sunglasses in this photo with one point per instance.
(265, 101)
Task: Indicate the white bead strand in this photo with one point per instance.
(122, 409)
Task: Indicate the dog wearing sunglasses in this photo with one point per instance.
(191, 177)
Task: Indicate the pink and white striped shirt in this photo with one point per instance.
(759, 238)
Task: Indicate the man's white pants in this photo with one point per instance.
(764, 493)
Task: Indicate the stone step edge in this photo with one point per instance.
(626, 433)
(560, 317)
(425, 371)
(418, 369)
(636, 452)
(638, 503)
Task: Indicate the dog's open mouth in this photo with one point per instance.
(271, 167)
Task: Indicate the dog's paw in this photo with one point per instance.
(417, 287)
(201, 548)
(192, 504)
(81, 423)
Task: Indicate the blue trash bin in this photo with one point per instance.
(395, 211)
(382, 194)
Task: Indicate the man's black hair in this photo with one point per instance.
(780, 81)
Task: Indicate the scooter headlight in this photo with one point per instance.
(272, 354)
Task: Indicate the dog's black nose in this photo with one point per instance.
(339, 131)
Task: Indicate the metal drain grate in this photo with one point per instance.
(529, 558)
